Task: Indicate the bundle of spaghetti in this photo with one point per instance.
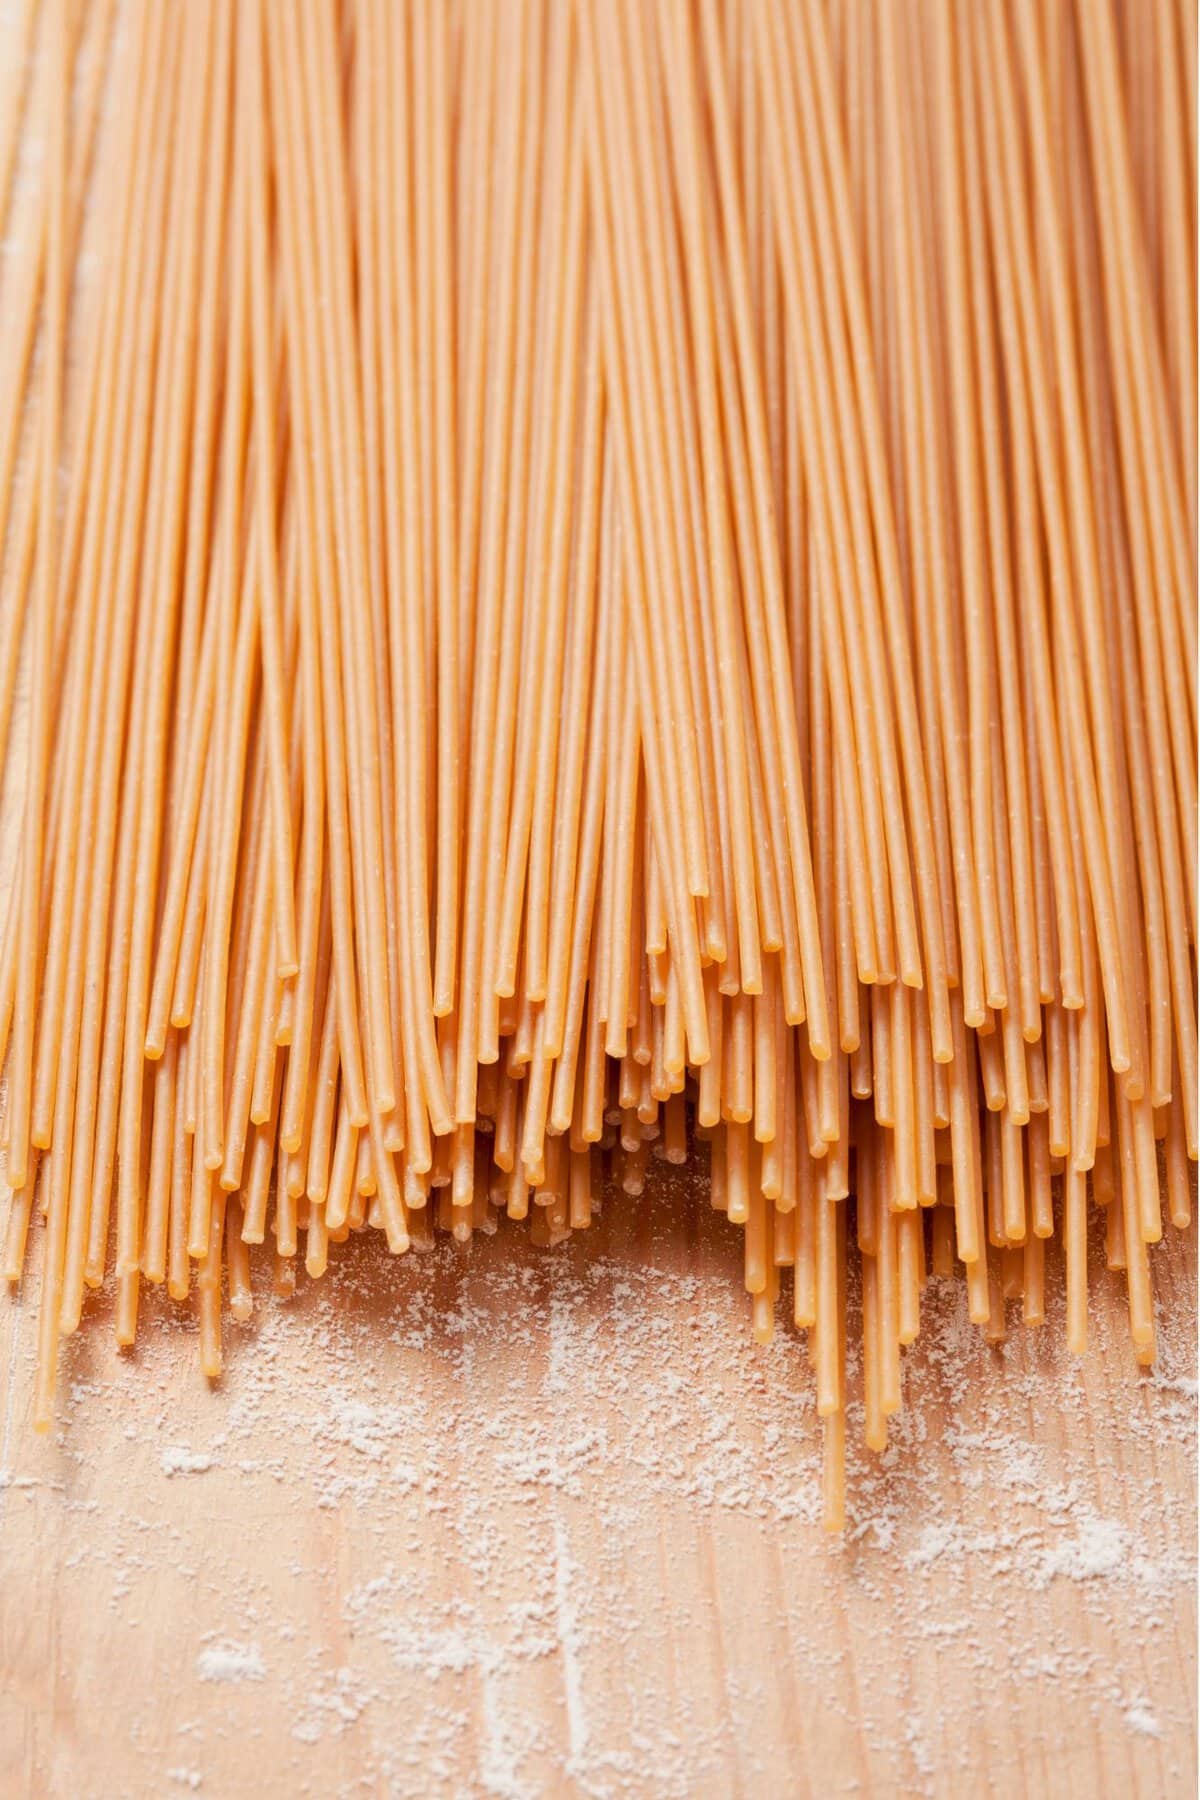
(591, 583)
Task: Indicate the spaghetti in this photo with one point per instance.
(601, 581)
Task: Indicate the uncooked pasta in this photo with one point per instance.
(594, 583)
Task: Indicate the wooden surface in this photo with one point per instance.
(510, 1523)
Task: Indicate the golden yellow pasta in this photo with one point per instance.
(600, 582)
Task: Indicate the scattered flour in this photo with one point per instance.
(1139, 1718)
(176, 1460)
(229, 1661)
(507, 1524)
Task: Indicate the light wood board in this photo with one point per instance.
(509, 1523)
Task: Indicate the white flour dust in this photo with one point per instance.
(513, 1524)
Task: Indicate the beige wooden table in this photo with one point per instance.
(514, 1523)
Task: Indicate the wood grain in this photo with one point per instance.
(525, 1524)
